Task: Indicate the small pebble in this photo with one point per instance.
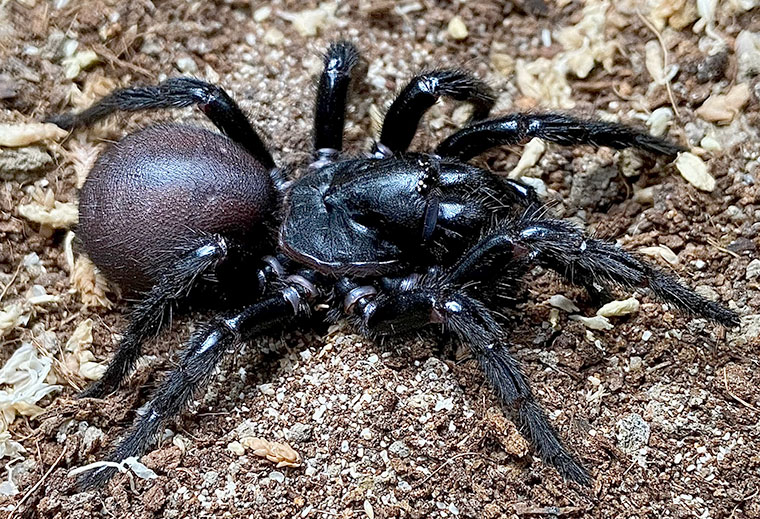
(273, 37)
(633, 433)
(457, 29)
(753, 269)
(399, 449)
(235, 448)
(262, 13)
(563, 303)
(187, 65)
(277, 476)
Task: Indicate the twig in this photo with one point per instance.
(714, 243)
(735, 397)
(15, 274)
(523, 509)
(664, 59)
(633, 463)
(37, 485)
(447, 462)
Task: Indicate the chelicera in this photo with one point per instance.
(394, 240)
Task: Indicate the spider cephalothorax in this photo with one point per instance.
(393, 240)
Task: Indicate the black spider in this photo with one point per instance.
(394, 240)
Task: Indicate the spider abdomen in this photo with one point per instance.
(160, 188)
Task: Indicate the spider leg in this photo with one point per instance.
(204, 350)
(559, 128)
(435, 299)
(330, 112)
(148, 317)
(419, 95)
(179, 92)
(560, 246)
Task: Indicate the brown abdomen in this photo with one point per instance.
(154, 190)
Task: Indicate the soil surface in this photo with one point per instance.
(662, 408)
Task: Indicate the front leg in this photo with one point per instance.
(330, 111)
(417, 302)
(419, 95)
(553, 127)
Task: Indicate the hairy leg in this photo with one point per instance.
(559, 128)
(148, 316)
(330, 111)
(204, 350)
(417, 302)
(419, 95)
(179, 92)
(560, 246)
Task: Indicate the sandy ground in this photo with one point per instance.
(662, 408)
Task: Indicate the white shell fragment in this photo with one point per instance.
(538, 185)
(15, 135)
(618, 308)
(747, 49)
(235, 448)
(655, 61)
(563, 303)
(78, 62)
(262, 13)
(530, 157)
(660, 120)
(543, 80)
(597, 322)
(22, 385)
(89, 282)
(311, 21)
(79, 359)
(140, 470)
(11, 316)
(585, 43)
(662, 251)
(694, 170)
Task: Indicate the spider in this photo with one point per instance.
(393, 240)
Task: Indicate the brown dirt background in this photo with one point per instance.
(403, 450)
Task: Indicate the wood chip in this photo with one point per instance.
(618, 308)
(723, 108)
(16, 135)
(280, 453)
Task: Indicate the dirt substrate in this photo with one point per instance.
(662, 408)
